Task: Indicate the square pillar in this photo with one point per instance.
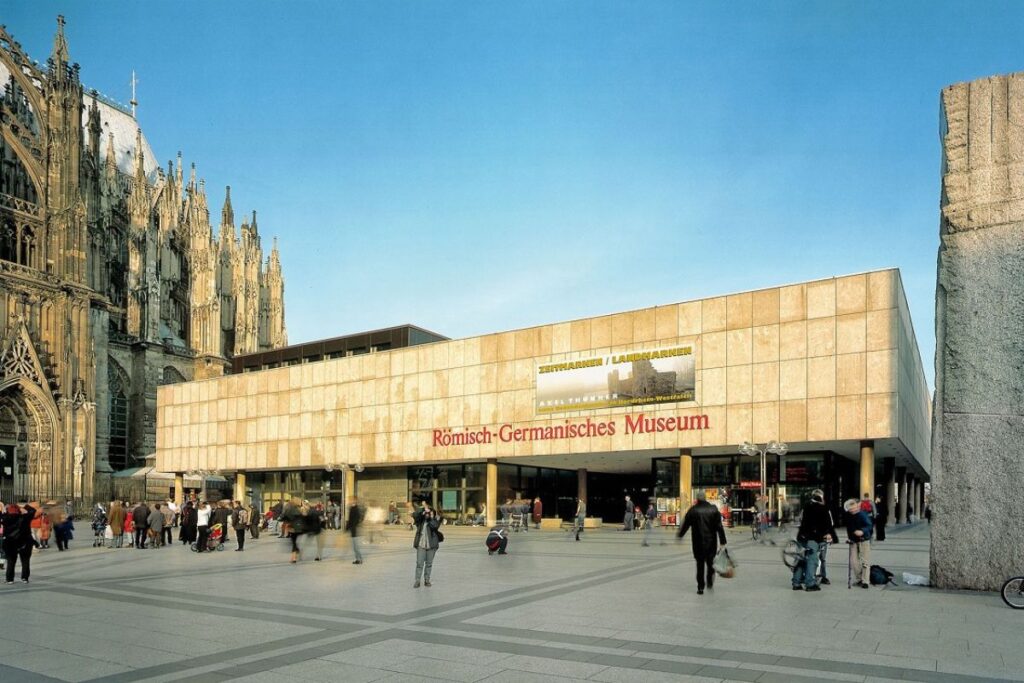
(581, 485)
(685, 478)
(492, 491)
(890, 489)
(901, 482)
(911, 494)
(239, 493)
(867, 469)
(179, 488)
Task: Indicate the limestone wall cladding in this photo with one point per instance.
(807, 362)
(979, 364)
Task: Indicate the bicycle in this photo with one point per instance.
(1013, 592)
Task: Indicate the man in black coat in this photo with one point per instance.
(705, 521)
(816, 529)
(140, 517)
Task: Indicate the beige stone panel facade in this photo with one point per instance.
(880, 414)
(821, 337)
(851, 331)
(880, 329)
(739, 346)
(792, 303)
(851, 377)
(850, 417)
(766, 344)
(766, 421)
(792, 379)
(666, 322)
(765, 381)
(713, 315)
(644, 326)
(821, 419)
(821, 299)
(882, 287)
(739, 383)
(793, 340)
(690, 318)
(739, 423)
(793, 421)
(713, 387)
(881, 372)
(738, 308)
(821, 377)
(765, 307)
(713, 350)
(601, 332)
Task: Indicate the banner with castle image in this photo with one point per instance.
(622, 379)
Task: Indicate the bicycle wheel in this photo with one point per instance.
(1013, 592)
(755, 531)
(792, 554)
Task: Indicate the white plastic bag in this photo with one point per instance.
(108, 533)
(724, 564)
(914, 579)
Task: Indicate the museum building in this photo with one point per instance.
(653, 403)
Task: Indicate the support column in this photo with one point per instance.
(179, 488)
(867, 469)
(685, 479)
(349, 487)
(581, 485)
(492, 492)
(911, 497)
(921, 502)
(890, 489)
(901, 483)
(239, 493)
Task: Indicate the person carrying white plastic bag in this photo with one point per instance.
(725, 564)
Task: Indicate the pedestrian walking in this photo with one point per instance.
(116, 521)
(627, 518)
(18, 539)
(140, 517)
(881, 518)
(169, 519)
(581, 516)
(538, 512)
(815, 532)
(353, 525)
(705, 521)
(858, 534)
(99, 526)
(239, 522)
(189, 529)
(649, 518)
(203, 514)
(255, 520)
(428, 539)
(155, 526)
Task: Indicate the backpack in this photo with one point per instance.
(241, 518)
(865, 506)
(880, 576)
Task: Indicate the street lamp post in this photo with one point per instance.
(774, 447)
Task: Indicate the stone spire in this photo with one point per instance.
(60, 54)
(227, 214)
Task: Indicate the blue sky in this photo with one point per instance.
(474, 167)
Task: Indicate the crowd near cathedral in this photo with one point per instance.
(112, 280)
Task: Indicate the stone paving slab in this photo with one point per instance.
(603, 609)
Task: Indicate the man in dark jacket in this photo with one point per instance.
(140, 517)
(353, 524)
(858, 532)
(706, 522)
(18, 541)
(815, 531)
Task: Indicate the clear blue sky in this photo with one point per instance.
(474, 167)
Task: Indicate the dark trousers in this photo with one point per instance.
(168, 535)
(140, 536)
(240, 537)
(60, 533)
(204, 535)
(254, 529)
(13, 552)
(705, 569)
(880, 529)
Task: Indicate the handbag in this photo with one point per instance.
(440, 536)
(724, 564)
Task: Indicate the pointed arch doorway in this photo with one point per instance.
(29, 440)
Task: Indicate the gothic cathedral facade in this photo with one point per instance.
(112, 281)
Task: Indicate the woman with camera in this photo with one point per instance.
(428, 537)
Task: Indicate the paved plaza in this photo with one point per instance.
(603, 609)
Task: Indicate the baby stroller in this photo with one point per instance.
(215, 541)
